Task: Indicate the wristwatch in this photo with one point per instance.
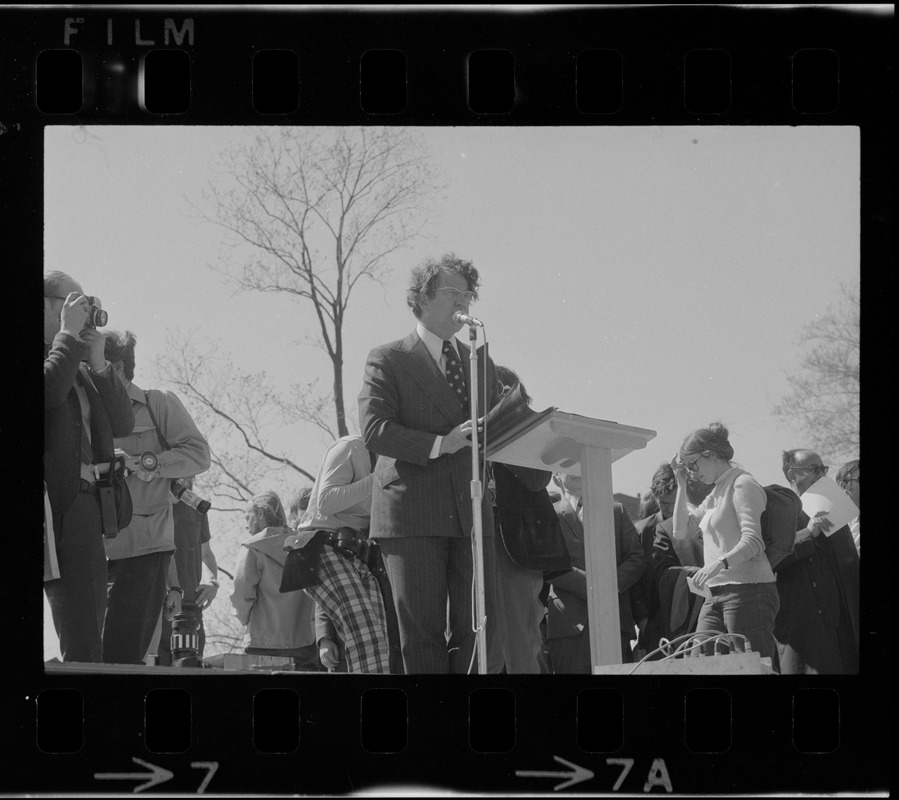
(214, 582)
(723, 560)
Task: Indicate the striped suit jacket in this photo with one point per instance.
(405, 401)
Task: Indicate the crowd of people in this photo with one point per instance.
(372, 568)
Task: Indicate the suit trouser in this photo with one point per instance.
(78, 597)
(519, 613)
(393, 629)
(136, 592)
(424, 572)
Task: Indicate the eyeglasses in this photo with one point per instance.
(468, 296)
(691, 465)
(846, 481)
(817, 468)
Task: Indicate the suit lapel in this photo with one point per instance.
(93, 399)
(423, 370)
(569, 515)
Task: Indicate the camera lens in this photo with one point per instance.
(185, 642)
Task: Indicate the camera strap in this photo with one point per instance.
(162, 441)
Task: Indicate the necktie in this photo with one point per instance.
(454, 374)
(87, 453)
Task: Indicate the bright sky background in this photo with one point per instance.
(654, 276)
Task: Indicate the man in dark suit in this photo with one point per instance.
(414, 413)
(85, 406)
(817, 627)
(567, 628)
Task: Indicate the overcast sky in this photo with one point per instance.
(654, 276)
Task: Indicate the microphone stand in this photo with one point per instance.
(476, 498)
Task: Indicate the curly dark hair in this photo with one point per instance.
(663, 481)
(846, 471)
(425, 276)
(120, 347)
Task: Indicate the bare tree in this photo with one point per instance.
(824, 400)
(317, 210)
(237, 412)
(243, 417)
(321, 209)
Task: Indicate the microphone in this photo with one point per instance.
(466, 320)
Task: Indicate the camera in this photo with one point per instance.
(96, 316)
(181, 491)
(185, 643)
(180, 488)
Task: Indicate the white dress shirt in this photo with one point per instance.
(435, 347)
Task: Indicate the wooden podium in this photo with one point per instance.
(569, 443)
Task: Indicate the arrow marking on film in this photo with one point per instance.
(157, 775)
(578, 775)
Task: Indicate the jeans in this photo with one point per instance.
(745, 608)
(424, 571)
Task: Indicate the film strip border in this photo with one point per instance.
(311, 735)
(572, 66)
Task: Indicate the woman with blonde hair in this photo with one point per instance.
(278, 624)
(744, 598)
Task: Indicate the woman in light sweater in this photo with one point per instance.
(744, 597)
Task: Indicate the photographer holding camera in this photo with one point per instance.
(85, 406)
(142, 573)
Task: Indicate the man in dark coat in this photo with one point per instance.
(817, 627)
(567, 628)
(414, 413)
(85, 407)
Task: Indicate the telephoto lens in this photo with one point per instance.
(181, 491)
(185, 644)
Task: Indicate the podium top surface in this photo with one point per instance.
(554, 442)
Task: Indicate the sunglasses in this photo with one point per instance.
(816, 468)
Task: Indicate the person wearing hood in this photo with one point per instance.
(278, 624)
